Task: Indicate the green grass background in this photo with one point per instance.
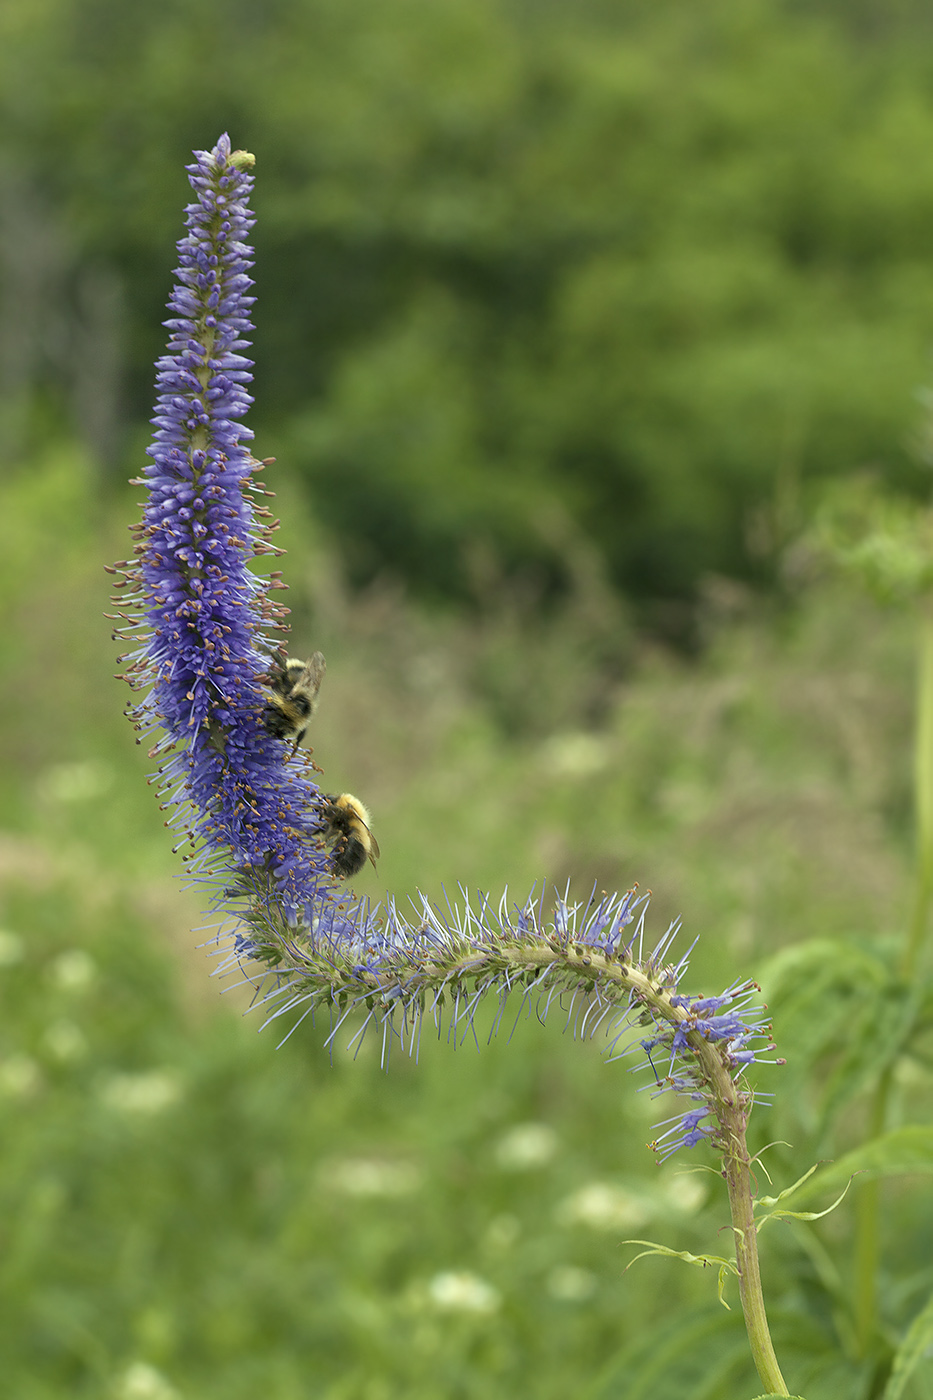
(190, 1210)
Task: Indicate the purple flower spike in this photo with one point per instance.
(204, 626)
(205, 615)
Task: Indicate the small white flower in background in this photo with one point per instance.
(369, 1176)
(602, 1206)
(576, 755)
(75, 782)
(685, 1191)
(140, 1381)
(909, 1073)
(20, 1077)
(73, 971)
(11, 948)
(502, 1232)
(526, 1146)
(463, 1292)
(142, 1094)
(65, 1041)
(569, 1284)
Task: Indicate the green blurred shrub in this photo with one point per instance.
(637, 262)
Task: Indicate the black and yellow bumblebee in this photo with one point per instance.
(293, 695)
(346, 827)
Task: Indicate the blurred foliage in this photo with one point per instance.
(879, 538)
(651, 269)
(190, 1211)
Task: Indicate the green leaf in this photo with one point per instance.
(788, 1190)
(903, 1152)
(812, 989)
(791, 974)
(844, 1006)
(677, 1359)
(704, 1261)
(796, 1214)
(912, 1348)
(876, 1036)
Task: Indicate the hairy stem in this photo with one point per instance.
(738, 1180)
(732, 1110)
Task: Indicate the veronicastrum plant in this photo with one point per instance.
(201, 627)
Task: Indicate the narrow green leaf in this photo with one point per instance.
(703, 1261)
(676, 1359)
(788, 1190)
(878, 1031)
(842, 1008)
(802, 1214)
(912, 1348)
(792, 970)
(923, 751)
(903, 1152)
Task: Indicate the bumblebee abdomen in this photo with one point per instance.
(349, 857)
(346, 828)
(279, 720)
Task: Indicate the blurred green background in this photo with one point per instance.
(567, 315)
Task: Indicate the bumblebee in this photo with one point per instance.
(346, 825)
(293, 692)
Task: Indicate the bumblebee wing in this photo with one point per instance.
(310, 679)
(275, 675)
(374, 851)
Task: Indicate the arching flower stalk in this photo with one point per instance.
(248, 810)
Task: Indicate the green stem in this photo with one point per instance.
(732, 1109)
(738, 1180)
(867, 1201)
(868, 1232)
(923, 803)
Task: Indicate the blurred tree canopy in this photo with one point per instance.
(630, 272)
